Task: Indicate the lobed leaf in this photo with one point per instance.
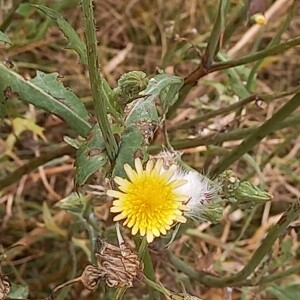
(46, 92)
(91, 156)
(73, 38)
(166, 87)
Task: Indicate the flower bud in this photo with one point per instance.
(243, 193)
(259, 19)
(130, 84)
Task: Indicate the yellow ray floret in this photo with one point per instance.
(148, 202)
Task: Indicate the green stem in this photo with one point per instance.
(144, 255)
(214, 113)
(92, 233)
(202, 71)
(120, 292)
(268, 127)
(232, 107)
(177, 144)
(72, 253)
(158, 287)
(210, 51)
(214, 139)
(215, 37)
(192, 78)
(97, 81)
(256, 56)
(258, 281)
(149, 273)
(282, 274)
(237, 20)
(277, 151)
(259, 254)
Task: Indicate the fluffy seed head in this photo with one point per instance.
(200, 190)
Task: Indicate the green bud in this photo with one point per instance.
(211, 211)
(130, 84)
(248, 193)
(241, 192)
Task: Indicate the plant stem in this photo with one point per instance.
(211, 48)
(214, 139)
(232, 107)
(144, 255)
(157, 287)
(191, 80)
(268, 127)
(177, 144)
(216, 35)
(235, 22)
(277, 151)
(214, 113)
(97, 82)
(240, 277)
(282, 274)
(193, 77)
(256, 56)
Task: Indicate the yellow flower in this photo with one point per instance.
(148, 201)
(259, 19)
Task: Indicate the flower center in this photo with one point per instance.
(150, 199)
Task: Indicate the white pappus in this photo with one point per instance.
(200, 189)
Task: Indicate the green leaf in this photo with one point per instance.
(131, 147)
(74, 203)
(237, 76)
(18, 291)
(237, 85)
(91, 156)
(4, 38)
(143, 120)
(50, 222)
(74, 40)
(166, 87)
(46, 92)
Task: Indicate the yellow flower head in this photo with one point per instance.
(259, 19)
(148, 201)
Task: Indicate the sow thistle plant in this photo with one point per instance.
(150, 194)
